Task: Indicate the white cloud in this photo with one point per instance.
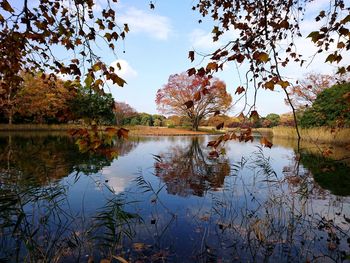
(140, 21)
(203, 41)
(126, 72)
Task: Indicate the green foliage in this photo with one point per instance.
(157, 122)
(331, 108)
(91, 106)
(273, 118)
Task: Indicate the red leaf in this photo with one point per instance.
(191, 71)
(239, 90)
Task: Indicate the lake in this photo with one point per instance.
(162, 199)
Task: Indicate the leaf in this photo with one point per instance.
(122, 132)
(197, 96)
(212, 66)
(191, 71)
(265, 142)
(189, 104)
(283, 84)
(269, 85)
(191, 55)
(88, 80)
(254, 115)
(6, 6)
(220, 126)
(314, 36)
(151, 5)
(264, 57)
(116, 79)
(239, 90)
(126, 28)
(119, 66)
(216, 112)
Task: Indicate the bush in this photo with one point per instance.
(331, 108)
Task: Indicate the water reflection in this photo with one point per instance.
(59, 205)
(187, 170)
(38, 219)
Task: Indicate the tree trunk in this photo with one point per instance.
(195, 124)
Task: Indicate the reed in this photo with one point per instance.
(319, 134)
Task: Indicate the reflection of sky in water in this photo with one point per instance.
(186, 222)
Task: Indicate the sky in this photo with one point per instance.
(158, 44)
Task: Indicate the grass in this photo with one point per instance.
(39, 127)
(319, 134)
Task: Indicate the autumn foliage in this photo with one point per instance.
(193, 96)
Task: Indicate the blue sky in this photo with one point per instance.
(158, 44)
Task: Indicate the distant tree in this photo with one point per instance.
(123, 111)
(305, 93)
(157, 123)
(193, 96)
(43, 98)
(135, 121)
(331, 108)
(273, 118)
(91, 106)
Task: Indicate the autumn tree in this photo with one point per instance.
(122, 110)
(305, 92)
(193, 96)
(31, 31)
(43, 98)
(263, 37)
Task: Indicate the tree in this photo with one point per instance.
(93, 107)
(123, 111)
(331, 108)
(30, 33)
(43, 98)
(305, 93)
(273, 118)
(266, 33)
(193, 96)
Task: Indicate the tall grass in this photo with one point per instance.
(319, 134)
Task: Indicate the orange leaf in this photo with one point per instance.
(197, 96)
(270, 85)
(212, 66)
(265, 142)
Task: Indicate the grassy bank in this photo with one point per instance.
(320, 134)
(39, 127)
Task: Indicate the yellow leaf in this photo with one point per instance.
(264, 57)
(283, 84)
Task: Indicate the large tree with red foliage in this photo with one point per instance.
(123, 110)
(193, 96)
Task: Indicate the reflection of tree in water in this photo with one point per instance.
(42, 159)
(187, 170)
(36, 222)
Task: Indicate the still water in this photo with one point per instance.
(162, 199)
